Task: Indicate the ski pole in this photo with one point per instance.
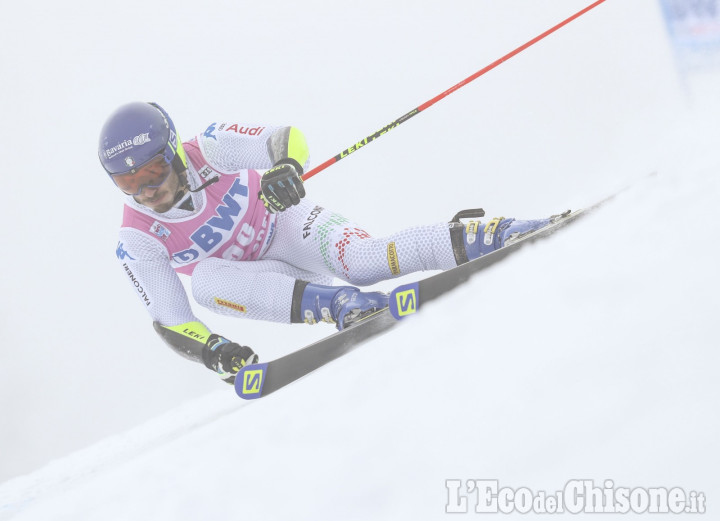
(429, 103)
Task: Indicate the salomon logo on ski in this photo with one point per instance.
(249, 381)
(404, 300)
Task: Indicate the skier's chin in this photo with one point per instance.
(162, 209)
(159, 203)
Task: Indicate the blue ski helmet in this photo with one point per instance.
(134, 135)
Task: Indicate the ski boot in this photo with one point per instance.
(339, 305)
(475, 239)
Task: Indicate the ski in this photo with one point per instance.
(258, 380)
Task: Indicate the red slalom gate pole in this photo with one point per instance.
(430, 103)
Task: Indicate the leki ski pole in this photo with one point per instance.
(429, 103)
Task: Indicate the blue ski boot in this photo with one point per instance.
(339, 305)
(475, 239)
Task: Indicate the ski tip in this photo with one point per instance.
(249, 381)
(404, 300)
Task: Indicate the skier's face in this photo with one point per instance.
(160, 198)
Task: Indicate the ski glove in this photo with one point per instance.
(282, 186)
(226, 358)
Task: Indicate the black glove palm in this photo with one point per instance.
(226, 357)
(282, 186)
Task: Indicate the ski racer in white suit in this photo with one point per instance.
(227, 208)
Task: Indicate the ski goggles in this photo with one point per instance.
(150, 175)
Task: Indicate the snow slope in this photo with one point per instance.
(589, 355)
(592, 354)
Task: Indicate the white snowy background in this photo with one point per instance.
(592, 355)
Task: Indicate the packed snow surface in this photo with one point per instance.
(592, 354)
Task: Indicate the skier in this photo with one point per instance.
(227, 207)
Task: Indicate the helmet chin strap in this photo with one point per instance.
(206, 184)
(179, 166)
(184, 187)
